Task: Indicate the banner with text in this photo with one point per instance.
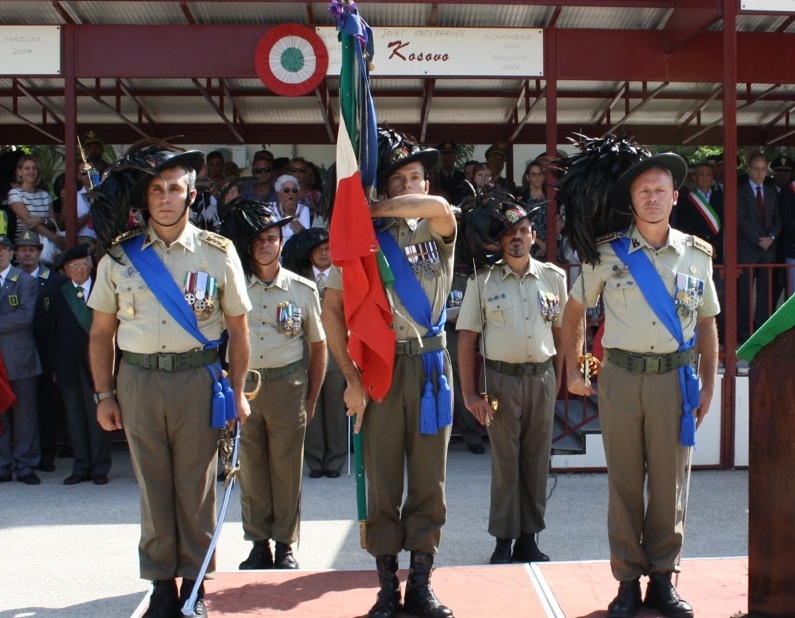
(30, 50)
(449, 52)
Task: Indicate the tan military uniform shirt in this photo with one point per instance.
(436, 280)
(284, 314)
(518, 312)
(145, 326)
(630, 323)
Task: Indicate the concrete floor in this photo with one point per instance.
(71, 552)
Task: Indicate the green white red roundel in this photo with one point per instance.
(291, 60)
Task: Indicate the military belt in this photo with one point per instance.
(415, 347)
(172, 362)
(648, 363)
(274, 373)
(519, 369)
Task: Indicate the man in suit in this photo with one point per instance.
(700, 212)
(28, 253)
(326, 442)
(72, 374)
(19, 442)
(759, 224)
(451, 180)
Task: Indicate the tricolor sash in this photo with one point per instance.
(706, 210)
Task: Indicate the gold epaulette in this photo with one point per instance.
(698, 243)
(127, 235)
(216, 240)
(607, 237)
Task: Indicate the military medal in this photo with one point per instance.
(199, 288)
(549, 304)
(455, 298)
(288, 318)
(688, 294)
(424, 260)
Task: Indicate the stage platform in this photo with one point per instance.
(716, 587)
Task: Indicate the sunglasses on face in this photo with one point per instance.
(289, 190)
(299, 170)
(261, 170)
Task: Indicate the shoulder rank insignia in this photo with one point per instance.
(553, 267)
(216, 240)
(702, 245)
(127, 235)
(607, 237)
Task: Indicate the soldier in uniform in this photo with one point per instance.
(647, 420)
(19, 440)
(326, 446)
(285, 318)
(28, 253)
(423, 229)
(515, 306)
(169, 365)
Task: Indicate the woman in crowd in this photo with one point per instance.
(32, 205)
(287, 188)
(533, 193)
(305, 174)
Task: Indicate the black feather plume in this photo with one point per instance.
(584, 190)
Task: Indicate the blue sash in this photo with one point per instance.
(166, 291)
(435, 412)
(655, 293)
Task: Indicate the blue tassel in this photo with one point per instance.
(428, 411)
(687, 432)
(218, 406)
(444, 403)
(229, 399)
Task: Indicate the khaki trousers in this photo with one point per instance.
(166, 417)
(392, 443)
(272, 458)
(640, 417)
(521, 442)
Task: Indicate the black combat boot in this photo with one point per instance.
(502, 552)
(662, 596)
(260, 556)
(387, 603)
(163, 602)
(284, 557)
(420, 599)
(627, 601)
(199, 611)
(526, 550)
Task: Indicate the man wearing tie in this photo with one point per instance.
(73, 320)
(759, 224)
(326, 444)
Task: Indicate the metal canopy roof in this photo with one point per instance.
(653, 68)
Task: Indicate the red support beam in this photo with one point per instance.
(689, 19)
(324, 105)
(622, 91)
(116, 112)
(647, 99)
(427, 100)
(729, 53)
(205, 92)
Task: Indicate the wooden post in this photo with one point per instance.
(771, 494)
